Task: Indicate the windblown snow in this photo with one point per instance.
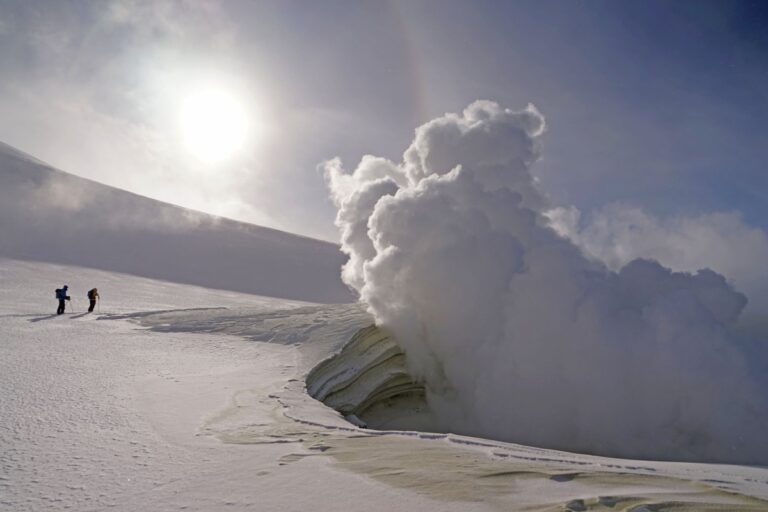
(49, 215)
(515, 333)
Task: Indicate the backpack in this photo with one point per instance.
(59, 293)
(90, 295)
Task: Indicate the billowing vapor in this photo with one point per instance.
(517, 335)
(618, 233)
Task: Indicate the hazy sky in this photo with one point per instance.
(660, 105)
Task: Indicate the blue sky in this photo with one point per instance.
(655, 104)
(651, 102)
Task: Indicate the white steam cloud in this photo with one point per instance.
(516, 334)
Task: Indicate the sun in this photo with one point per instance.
(214, 125)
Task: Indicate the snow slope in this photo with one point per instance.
(181, 398)
(48, 215)
(97, 414)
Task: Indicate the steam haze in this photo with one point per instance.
(655, 105)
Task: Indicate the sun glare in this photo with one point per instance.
(214, 125)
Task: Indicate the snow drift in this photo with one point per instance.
(48, 215)
(515, 333)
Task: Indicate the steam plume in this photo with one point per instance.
(517, 335)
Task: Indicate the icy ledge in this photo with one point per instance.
(368, 383)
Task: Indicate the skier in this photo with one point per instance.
(61, 295)
(93, 296)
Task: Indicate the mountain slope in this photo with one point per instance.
(49, 215)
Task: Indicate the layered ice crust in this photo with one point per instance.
(368, 382)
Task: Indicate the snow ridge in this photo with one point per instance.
(51, 216)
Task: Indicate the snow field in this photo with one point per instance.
(201, 404)
(99, 414)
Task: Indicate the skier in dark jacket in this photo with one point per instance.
(61, 295)
(93, 296)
